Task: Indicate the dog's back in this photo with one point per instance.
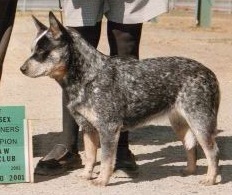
(142, 88)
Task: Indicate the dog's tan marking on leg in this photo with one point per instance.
(106, 170)
(211, 152)
(185, 135)
(107, 158)
(191, 162)
(91, 142)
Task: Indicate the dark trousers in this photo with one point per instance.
(123, 40)
(7, 16)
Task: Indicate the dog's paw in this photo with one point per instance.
(186, 172)
(99, 182)
(87, 175)
(208, 182)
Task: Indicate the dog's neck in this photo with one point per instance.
(84, 61)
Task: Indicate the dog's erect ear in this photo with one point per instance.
(56, 28)
(39, 25)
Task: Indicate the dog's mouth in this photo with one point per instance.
(57, 72)
(31, 74)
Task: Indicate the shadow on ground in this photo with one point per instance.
(154, 167)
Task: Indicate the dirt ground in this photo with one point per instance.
(159, 155)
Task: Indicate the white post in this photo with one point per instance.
(24, 5)
(230, 11)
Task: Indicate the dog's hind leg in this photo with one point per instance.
(109, 140)
(184, 134)
(203, 125)
(206, 138)
(91, 142)
(211, 151)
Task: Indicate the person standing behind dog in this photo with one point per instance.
(7, 16)
(124, 26)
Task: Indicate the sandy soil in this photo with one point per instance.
(159, 155)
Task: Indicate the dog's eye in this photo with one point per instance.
(40, 51)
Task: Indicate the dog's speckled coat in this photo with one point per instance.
(111, 94)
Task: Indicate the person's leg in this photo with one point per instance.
(7, 16)
(65, 156)
(124, 40)
(90, 33)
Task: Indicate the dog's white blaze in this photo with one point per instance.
(190, 140)
(36, 41)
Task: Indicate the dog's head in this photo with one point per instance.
(49, 51)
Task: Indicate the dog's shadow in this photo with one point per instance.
(172, 152)
(151, 164)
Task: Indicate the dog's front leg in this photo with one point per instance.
(109, 141)
(91, 142)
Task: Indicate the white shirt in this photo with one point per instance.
(88, 12)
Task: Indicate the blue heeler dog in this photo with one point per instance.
(112, 94)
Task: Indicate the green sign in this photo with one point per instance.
(14, 145)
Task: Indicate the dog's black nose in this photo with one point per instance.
(23, 69)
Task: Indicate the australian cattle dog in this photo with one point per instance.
(112, 94)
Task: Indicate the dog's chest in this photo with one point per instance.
(79, 103)
(78, 108)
